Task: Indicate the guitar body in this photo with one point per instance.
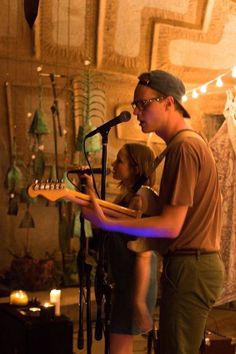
(150, 201)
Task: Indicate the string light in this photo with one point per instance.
(203, 89)
(218, 81)
(195, 94)
(184, 98)
(234, 71)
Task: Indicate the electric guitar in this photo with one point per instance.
(54, 191)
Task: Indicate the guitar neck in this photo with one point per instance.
(55, 191)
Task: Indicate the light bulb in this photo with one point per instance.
(234, 71)
(184, 98)
(219, 82)
(195, 94)
(203, 89)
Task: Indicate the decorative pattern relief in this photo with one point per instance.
(128, 36)
(128, 24)
(210, 55)
(14, 32)
(184, 37)
(196, 51)
(68, 29)
(8, 15)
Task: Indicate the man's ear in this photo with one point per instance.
(169, 102)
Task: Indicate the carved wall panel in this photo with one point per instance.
(128, 36)
(68, 30)
(15, 38)
(197, 54)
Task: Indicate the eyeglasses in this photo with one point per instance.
(142, 104)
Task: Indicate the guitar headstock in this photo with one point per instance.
(49, 190)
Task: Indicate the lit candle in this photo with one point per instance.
(19, 297)
(55, 298)
(34, 311)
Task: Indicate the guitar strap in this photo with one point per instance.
(180, 136)
(142, 244)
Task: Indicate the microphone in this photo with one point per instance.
(89, 171)
(123, 117)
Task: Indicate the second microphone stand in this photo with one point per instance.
(84, 272)
(103, 289)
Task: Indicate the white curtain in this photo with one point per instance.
(223, 146)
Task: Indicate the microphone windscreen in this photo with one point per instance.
(125, 116)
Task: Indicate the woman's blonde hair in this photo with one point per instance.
(142, 157)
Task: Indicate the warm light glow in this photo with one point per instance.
(195, 94)
(234, 71)
(19, 297)
(41, 147)
(34, 309)
(203, 89)
(55, 298)
(219, 82)
(47, 304)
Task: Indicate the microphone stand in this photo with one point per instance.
(102, 287)
(82, 266)
(84, 272)
(56, 122)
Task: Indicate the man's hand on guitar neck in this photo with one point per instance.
(94, 212)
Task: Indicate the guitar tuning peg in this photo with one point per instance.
(47, 184)
(57, 185)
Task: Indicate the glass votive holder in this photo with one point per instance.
(34, 311)
(47, 311)
(18, 298)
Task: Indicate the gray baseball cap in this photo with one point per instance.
(165, 83)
